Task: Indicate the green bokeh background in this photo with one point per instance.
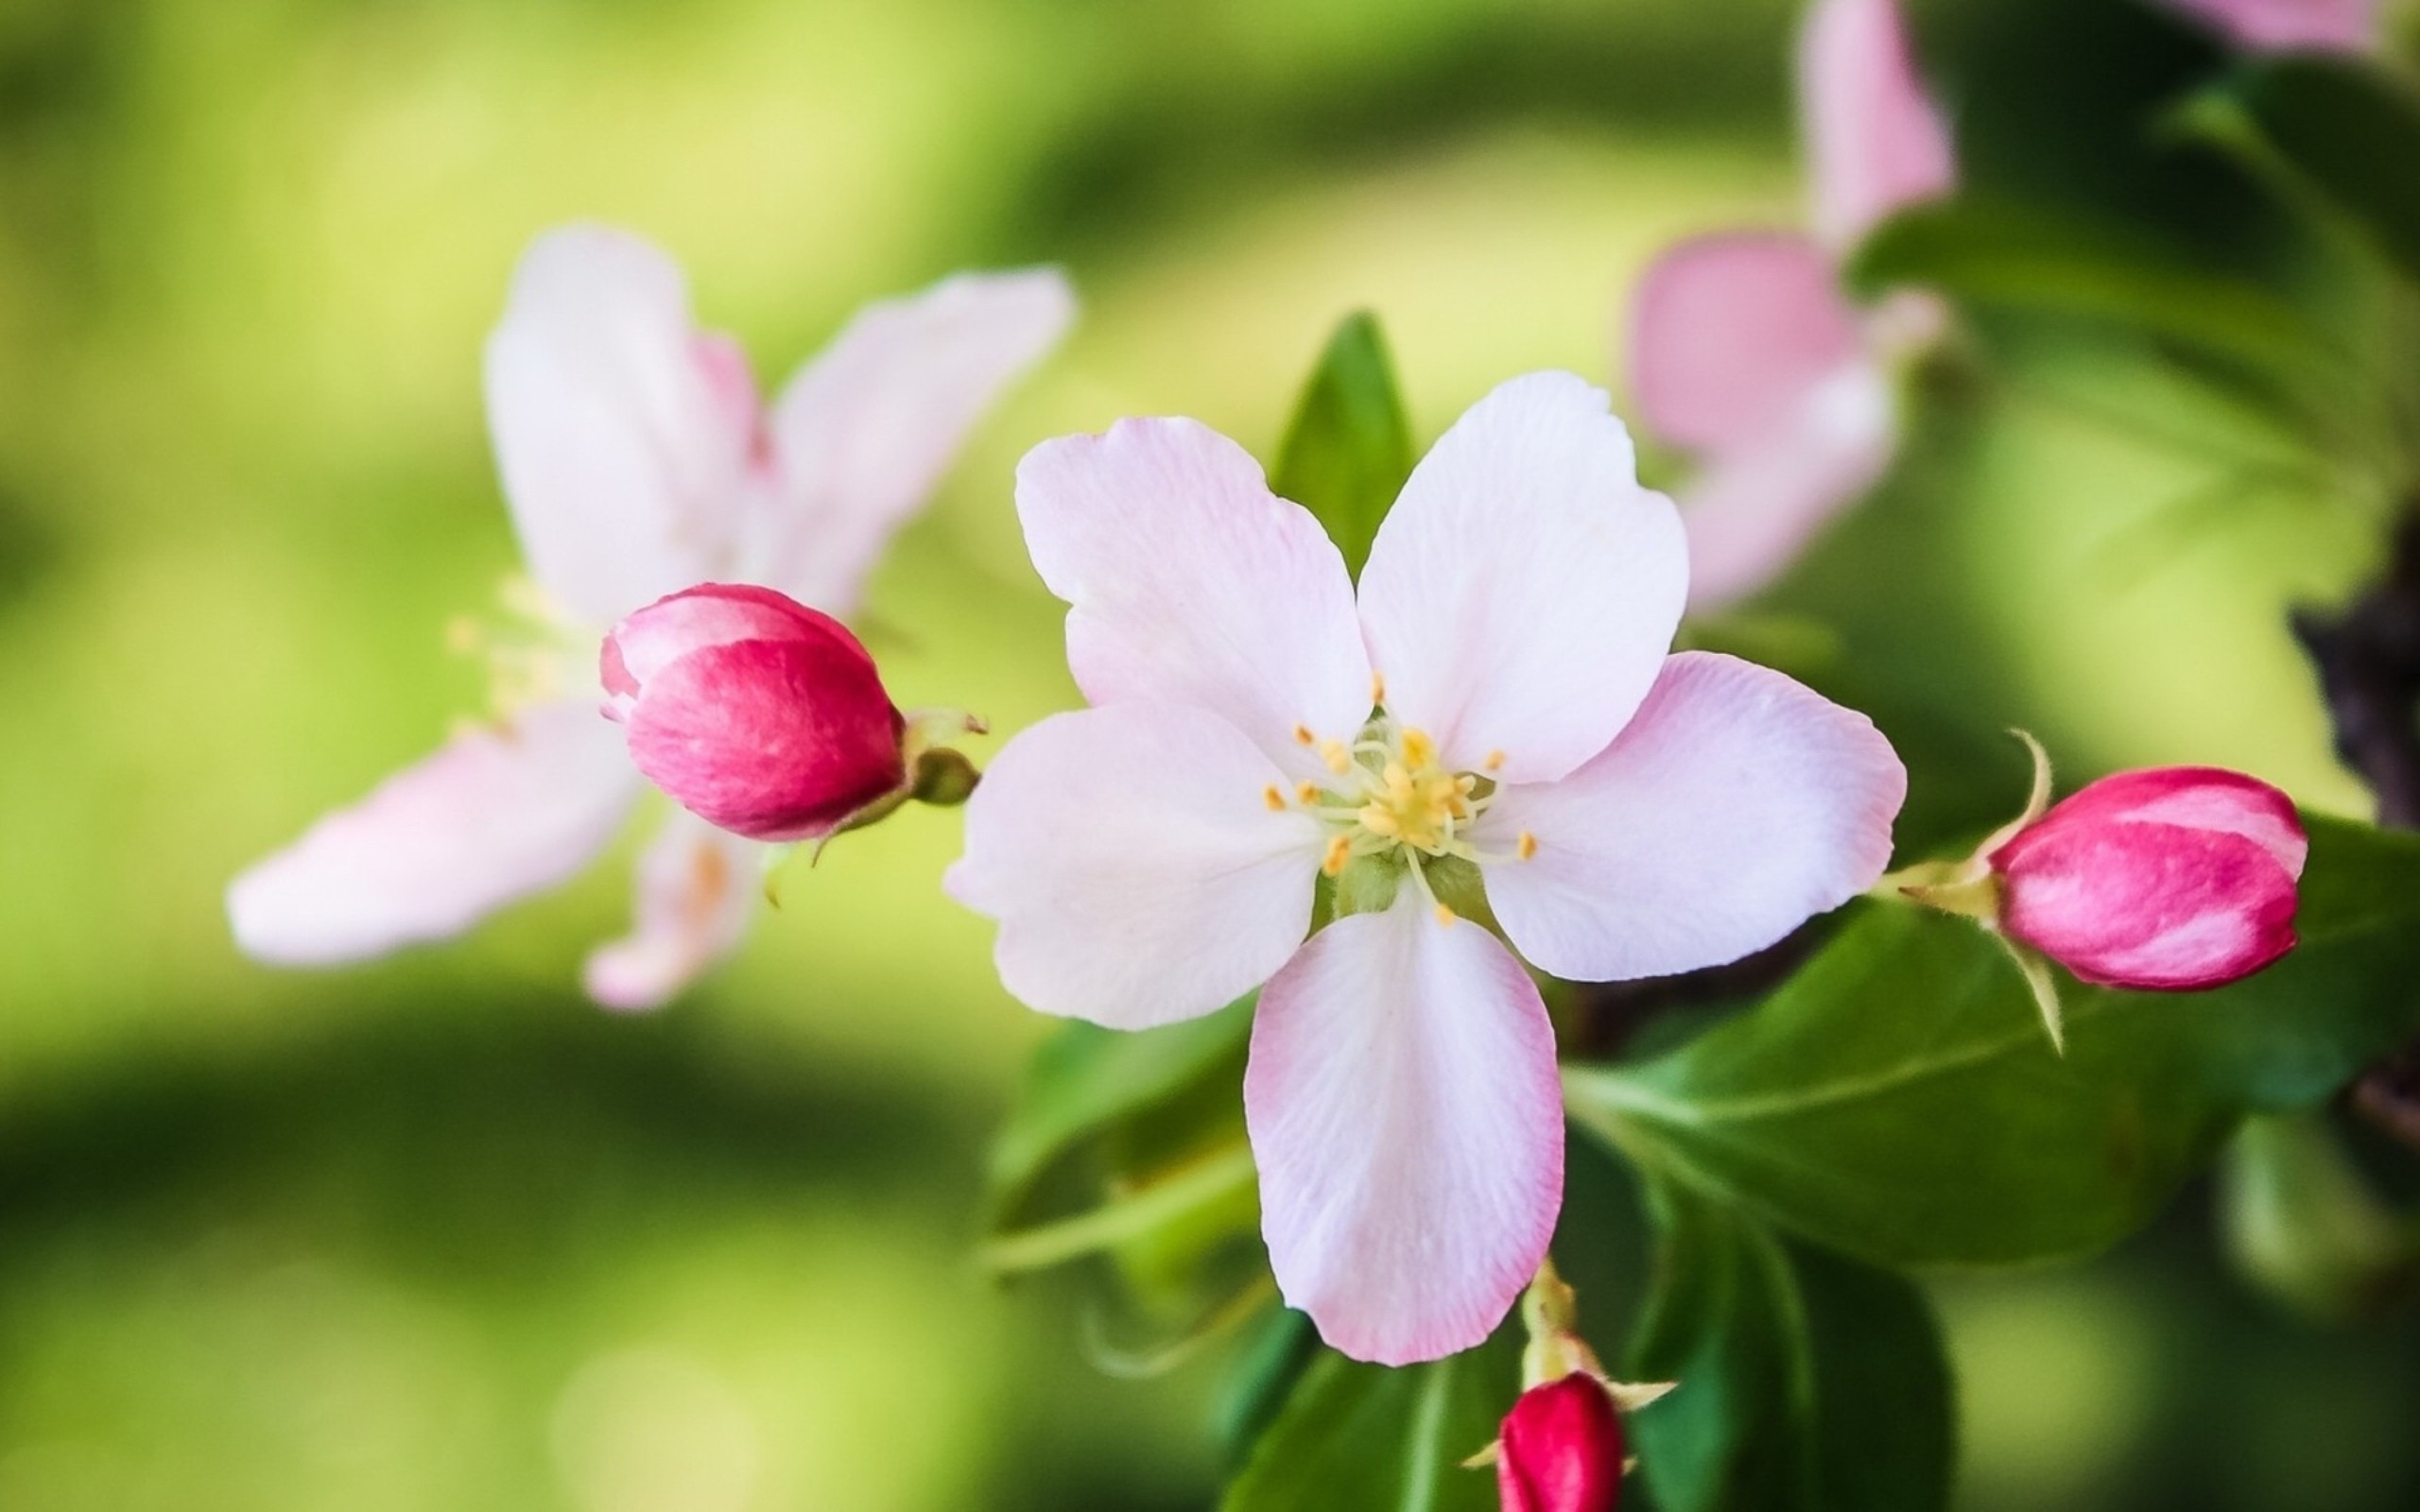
(437, 1233)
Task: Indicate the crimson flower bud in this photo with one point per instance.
(753, 711)
(2165, 881)
(1560, 1449)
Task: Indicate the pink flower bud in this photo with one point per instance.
(1560, 1450)
(2165, 881)
(753, 711)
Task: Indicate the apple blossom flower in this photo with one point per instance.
(753, 711)
(638, 460)
(1560, 1449)
(2291, 26)
(2163, 881)
(1743, 348)
(1494, 728)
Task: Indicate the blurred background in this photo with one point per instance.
(438, 1234)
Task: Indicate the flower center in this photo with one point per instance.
(1391, 799)
(534, 650)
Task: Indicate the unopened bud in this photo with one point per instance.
(2165, 881)
(1560, 1449)
(753, 711)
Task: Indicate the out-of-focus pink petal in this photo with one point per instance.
(864, 432)
(695, 894)
(1751, 511)
(2169, 880)
(1138, 870)
(1876, 140)
(1407, 1118)
(2293, 26)
(1524, 589)
(618, 427)
(1188, 581)
(494, 815)
(1735, 806)
(1730, 332)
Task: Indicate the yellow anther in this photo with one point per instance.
(1398, 782)
(1496, 761)
(1307, 792)
(1466, 784)
(1302, 735)
(1276, 800)
(1338, 760)
(1339, 851)
(1419, 750)
(1445, 914)
(1377, 688)
(1379, 819)
(1527, 845)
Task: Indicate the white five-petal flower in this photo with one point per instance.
(1743, 348)
(638, 460)
(1499, 702)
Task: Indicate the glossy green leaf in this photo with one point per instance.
(2344, 130)
(1355, 1437)
(2015, 258)
(1897, 1099)
(1349, 449)
(1085, 1082)
(1808, 1382)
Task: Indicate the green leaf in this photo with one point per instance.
(1897, 1100)
(1349, 449)
(1355, 1437)
(2008, 257)
(1808, 1382)
(1085, 1083)
(2343, 131)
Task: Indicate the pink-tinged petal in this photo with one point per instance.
(1188, 581)
(1730, 332)
(496, 814)
(2169, 880)
(2293, 26)
(1138, 866)
(1736, 805)
(622, 434)
(1524, 589)
(1405, 1112)
(862, 434)
(1560, 1449)
(1877, 142)
(1752, 512)
(696, 892)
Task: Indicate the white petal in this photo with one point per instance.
(1525, 590)
(1408, 1122)
(697, 893)
(1136, 869)
(622, 433)
(1189, 582)
(1735, 806)
(494, 815)
(864, 432)
(1751, 511)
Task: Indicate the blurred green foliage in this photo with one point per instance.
(437, 1233)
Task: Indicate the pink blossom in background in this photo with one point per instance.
(1744, 351)
(1498, 701)
(1560, 1449)
(2291, 26)
(753, 711)
(2169, 880)
(637, 460)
